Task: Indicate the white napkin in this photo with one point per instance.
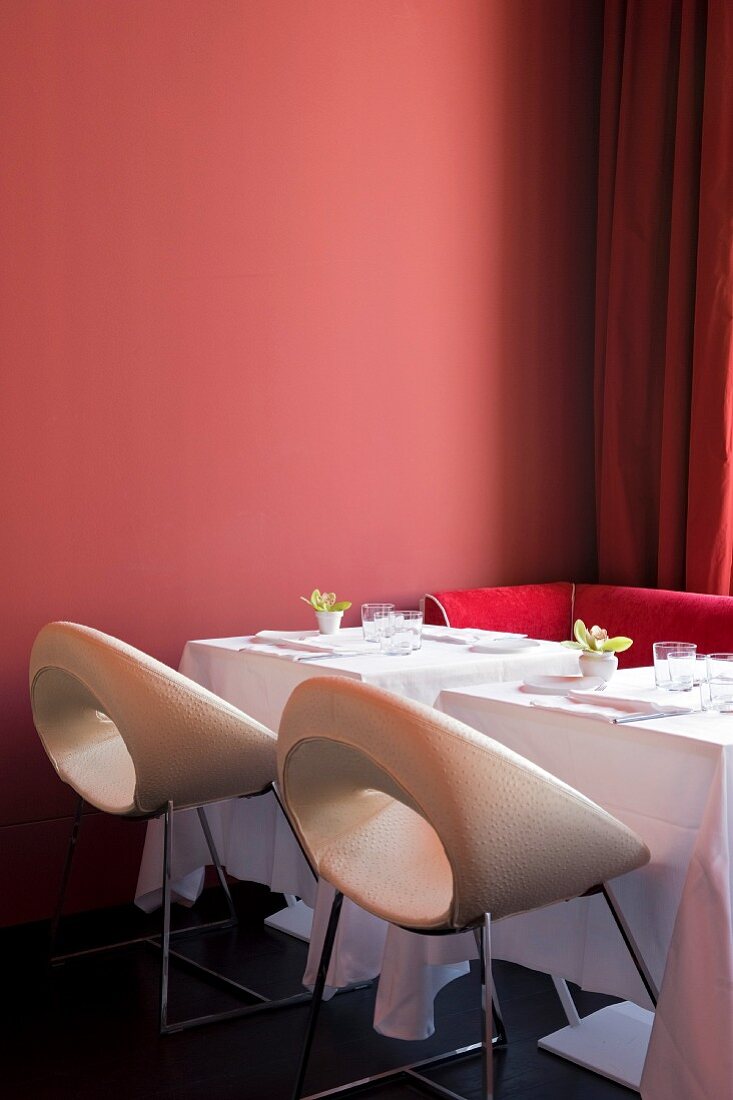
(445, 634)
(285, 640)
(303, 641)
(606, 708)
(465, 635)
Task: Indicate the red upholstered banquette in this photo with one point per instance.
(549, 610)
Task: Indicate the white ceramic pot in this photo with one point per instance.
(603, 665)
(329, 621)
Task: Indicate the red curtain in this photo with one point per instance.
(664, 296)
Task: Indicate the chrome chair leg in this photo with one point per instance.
(499, 1040)
(318, 989)
(631, 944)
(66, 875)
(414, 1072)
(487, 1011)
(165, 942)
(206, 829)
(261, 1003)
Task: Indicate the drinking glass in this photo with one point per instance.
(396, 633)
(720, 681)
(413, 622)
(681, 669)
(370, 623)
(674, 665)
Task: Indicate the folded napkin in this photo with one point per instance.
(607, 708)
(465, 635)
(285, 640)
(445, 634)
(298, 641)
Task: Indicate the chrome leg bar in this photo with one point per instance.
(261, 1003)
(70, 853)
(561, 986)
(487, 1003)
(631, 944)
(205, 828)
(499, 1039)
(166, 931)
(144, 937)
(318, 989)
(411, 1072)
(163, 941)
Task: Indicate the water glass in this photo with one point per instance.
(720, 682)
(413, 621)
(372, 619)
(674, 665)
(701, 669)
(397, 632)
(681, 670)
(701, 681)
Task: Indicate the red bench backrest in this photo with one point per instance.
(540, 610)
(651, 615)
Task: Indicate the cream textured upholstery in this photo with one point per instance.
(429, 824)
(130, 734)
(136, 739)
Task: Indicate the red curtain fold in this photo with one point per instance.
(664, 296)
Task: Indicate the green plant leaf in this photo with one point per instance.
(582, 636)
(573, 645)
(343, 605)
(617, 645)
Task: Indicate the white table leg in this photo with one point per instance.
(612, 1041)
(296, 919)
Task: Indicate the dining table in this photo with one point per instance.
(670, 778)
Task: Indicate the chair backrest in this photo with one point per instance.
(128, 733)
(428, 823)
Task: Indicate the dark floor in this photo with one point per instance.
(88, 1029)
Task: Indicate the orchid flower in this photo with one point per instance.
(325, 601)
(596, 640)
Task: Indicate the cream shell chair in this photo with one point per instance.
(433, 826)
(136, 739)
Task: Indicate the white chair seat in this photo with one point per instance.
(394, 866)
(103, 773)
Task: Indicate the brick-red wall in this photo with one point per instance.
(295, 293)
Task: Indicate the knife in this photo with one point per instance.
(324, 656)
(645, 716)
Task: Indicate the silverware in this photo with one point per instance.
(645, 716)
(324, 656)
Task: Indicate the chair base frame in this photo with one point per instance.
(167, 936)
(490, 1013)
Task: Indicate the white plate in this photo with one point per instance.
(559, 685)
(503, 645)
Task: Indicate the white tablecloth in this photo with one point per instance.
(257, 845)
(671, 780)
(260, 683)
